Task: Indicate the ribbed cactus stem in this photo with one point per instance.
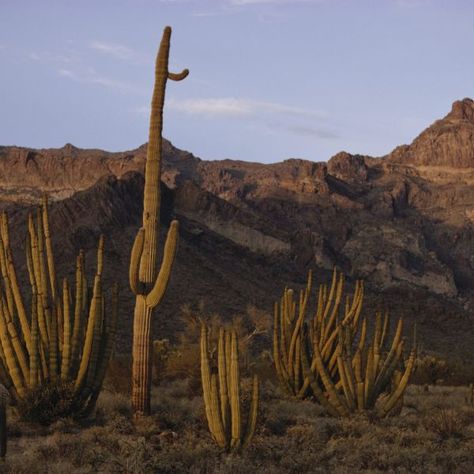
(222, 403)
(146, 283)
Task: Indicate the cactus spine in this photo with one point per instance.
(329, 357)
(51, 348)
(147, 286)
(221, 393)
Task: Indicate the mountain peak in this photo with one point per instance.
(448, 142)
(462, 110)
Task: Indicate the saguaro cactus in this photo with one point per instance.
(221, 393)
(149, 287)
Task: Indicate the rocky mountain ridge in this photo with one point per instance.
(403, 222)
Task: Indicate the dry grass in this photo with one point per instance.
(434, 433)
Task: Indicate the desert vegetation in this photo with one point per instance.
(329, 393)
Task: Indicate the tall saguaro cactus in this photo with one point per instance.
(146, 282)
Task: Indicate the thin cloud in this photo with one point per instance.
(91, 77)
(269, 2)
(313, 132)
(115, 50)
(233, 107)
(53, 57)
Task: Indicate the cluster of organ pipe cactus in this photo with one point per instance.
(221, 392)
(146, 282)
(330, 357)
(65, 337)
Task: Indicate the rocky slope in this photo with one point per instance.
(403, 222)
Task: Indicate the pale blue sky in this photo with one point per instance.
(269, 79)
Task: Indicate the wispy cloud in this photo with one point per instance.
(92, 77)
(313, 132)
(234, 107)
(66, 57)
(115, 50)
(412, 3)
(269, 2)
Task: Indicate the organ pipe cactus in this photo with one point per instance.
(221, 393)
(67, 339)
(329, 356)
(146, 283)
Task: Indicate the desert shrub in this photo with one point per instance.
(447, 423)
(119, 375)
(431, 370)
(49, 403)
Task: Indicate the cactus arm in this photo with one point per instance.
(173, 76)
(218, 433)
(206, 376)
(135, 257)
(106, 346)
(34, 359)
(66, 352)
(334, 397)
(78, 309)
(253, 414)
(15, 341)
(209, 387)
(398, 392)
(49, 247)
(235, 394)
(94, 315)
(53, 346)
(13, 280)
(10, 359)
(222, 370)
(161, 282)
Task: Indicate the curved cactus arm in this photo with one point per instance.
(107, 343)
(17, 344)
(161, 282)
(334, 397)
(94, 315)
(398, 392)
(218, 433)
(135, 257)
(173, 76)
(10, 359)
(13, 281)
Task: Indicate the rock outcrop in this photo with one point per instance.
(403, 222)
